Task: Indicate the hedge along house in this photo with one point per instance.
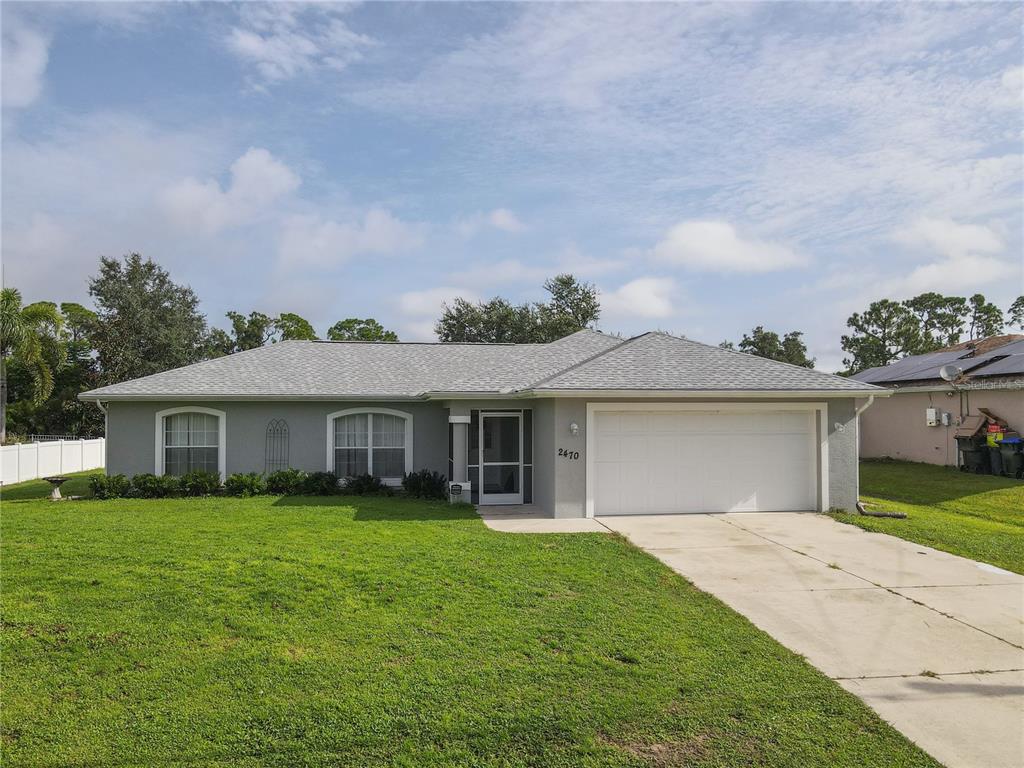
(589, 424)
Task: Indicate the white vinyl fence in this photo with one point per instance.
(27, 461)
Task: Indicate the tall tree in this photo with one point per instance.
(986, 318)
(496, 321)
(145, 322)
(941, 319)
(1015, 315)
(885, 332)
(794, 350)
(768, 344)
(291, 326)
(31, 334)
(354, 329)
(573, 306)
(247, 332)
(62, 412)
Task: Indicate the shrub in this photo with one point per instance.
(426, 485)
(320, 484)
(287, 482)
(245, 484)
(366, 485)
(150, 486)
(109, 486)
(200, 483)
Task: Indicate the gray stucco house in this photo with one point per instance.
(590, 424)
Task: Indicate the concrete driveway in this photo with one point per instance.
(931, 641)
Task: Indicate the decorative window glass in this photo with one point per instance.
(370, 443)
(277, 445)
(191, 443)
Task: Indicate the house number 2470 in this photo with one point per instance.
(565, 453)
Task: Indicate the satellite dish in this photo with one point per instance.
(951, 372)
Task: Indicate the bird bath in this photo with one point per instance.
(57, 481)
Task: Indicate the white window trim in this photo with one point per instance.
(407, 417)
(819, 437)
(222, 435)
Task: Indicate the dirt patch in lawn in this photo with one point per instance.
(665, 754)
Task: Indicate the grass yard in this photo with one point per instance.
(976, 516)
(384, 632)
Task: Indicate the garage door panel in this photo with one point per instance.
(633, 423)
(696, 461)
(609, 447)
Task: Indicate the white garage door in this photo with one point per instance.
(654, 462)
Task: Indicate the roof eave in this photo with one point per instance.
(101, 397)
(788, 394)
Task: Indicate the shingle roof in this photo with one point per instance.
(584, 360)
(352, 369)
(658, 361)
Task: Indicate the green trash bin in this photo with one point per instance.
(1011, 450)
(974, 455)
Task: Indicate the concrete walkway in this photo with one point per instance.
(527, 519)
(931, 641)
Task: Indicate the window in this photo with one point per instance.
(377, 442)
(189, 439)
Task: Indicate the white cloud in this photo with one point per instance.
(26, 52)
(284, 40)
(428, 302)
(953, 275)
(1013, 81)
(966, 262)
(505, 220)
(950, 238)
(573, 260)
(500, 218)
(644, 297)
(258, 180)
(715, 246)
(309, 239)
(422, 308)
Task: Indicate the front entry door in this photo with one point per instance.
(501, 458)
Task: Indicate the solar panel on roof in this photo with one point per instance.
(1008, 365)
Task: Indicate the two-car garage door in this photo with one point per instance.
(665, 461)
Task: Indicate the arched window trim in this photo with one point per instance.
(407, 417)
(222, 432)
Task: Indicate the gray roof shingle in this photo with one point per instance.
(353, 369)
(658, 361)
(585, 360)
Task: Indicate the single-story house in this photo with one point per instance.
(918, 422)
(589, 424)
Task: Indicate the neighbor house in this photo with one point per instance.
(590, 424)
(918, 422)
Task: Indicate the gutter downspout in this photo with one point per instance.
(857, 413)
(103, 407)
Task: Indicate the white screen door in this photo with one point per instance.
(501, 458)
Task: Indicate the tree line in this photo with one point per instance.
(144, 323)
(889, 330)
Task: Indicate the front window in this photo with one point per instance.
(370, 443)
(191, 443)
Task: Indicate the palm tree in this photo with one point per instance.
(32, 334)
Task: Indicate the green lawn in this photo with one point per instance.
(384, 632)
(976, 516)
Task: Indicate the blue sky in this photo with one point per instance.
(709, 167)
